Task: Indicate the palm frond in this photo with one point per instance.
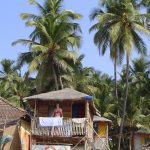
(24, 42)
(95, 13)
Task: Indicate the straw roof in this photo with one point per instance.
(60, 95)
(101, 119)
(143, 131)
(8, 112)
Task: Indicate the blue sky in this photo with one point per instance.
(13, 28)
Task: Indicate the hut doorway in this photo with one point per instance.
(50, 110)
(78, 110)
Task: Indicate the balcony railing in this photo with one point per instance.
(70, 128)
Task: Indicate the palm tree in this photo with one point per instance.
(8, 73)
(137, 115)
(52, 41)
(81, 78)
(125, 24)
(13, 86)
(106, 30)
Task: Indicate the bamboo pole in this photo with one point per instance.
(98, 135)
(85, 146)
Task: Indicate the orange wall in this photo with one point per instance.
(143, 136)
(102, 129)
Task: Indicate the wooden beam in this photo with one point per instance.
(35, 107)
(85, 145)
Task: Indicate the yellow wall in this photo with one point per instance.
(102, 129)
(143, 136)
(25, 135)
(25, 125)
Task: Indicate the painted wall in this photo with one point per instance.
(50, 147)
(139, 140)
(101, 142)
(15, 144)
(24, 133)
(102, 129)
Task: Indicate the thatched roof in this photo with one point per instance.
(143, 131)
(9, 113)
(101, 119)
(60, 95)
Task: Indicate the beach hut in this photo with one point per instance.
(72, 131)
(9, 119)
(101, 126)
(141, 140)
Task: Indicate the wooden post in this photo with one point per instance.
(35, 108)
(30, 141)
(107, 134)
(85, 146)
(86, 109)
(71, 109)
(87, 126)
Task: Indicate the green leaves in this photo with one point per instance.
(32, 1)
(12, 84)
(54, 34)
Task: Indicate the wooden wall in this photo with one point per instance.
(43, 108)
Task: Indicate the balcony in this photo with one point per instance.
(71, 127)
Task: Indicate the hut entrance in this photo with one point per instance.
(51, 110)
(78, 110)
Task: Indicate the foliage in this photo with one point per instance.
(53, 57)
(53, 43)
(14, 86)
(120, 28)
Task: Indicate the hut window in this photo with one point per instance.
(147, 140)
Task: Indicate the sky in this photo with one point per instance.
(13, 28)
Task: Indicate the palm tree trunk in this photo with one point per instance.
(130, 142)
(115, 75)
(131, 137)
(60, 79)
(125, 103)
(55, 77)
(61, 83)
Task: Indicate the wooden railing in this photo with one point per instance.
(71, 127)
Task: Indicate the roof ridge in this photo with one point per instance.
(59, 95)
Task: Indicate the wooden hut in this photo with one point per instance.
(101, 126)
(9, 117)
(76, 130)
(141, 140)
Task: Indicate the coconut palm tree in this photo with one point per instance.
(106, 30)
(54, 37)
(137, 112)
(13, 86)
(125, 24)
(81, 78)
(8, 73)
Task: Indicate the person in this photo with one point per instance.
(58, 111)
